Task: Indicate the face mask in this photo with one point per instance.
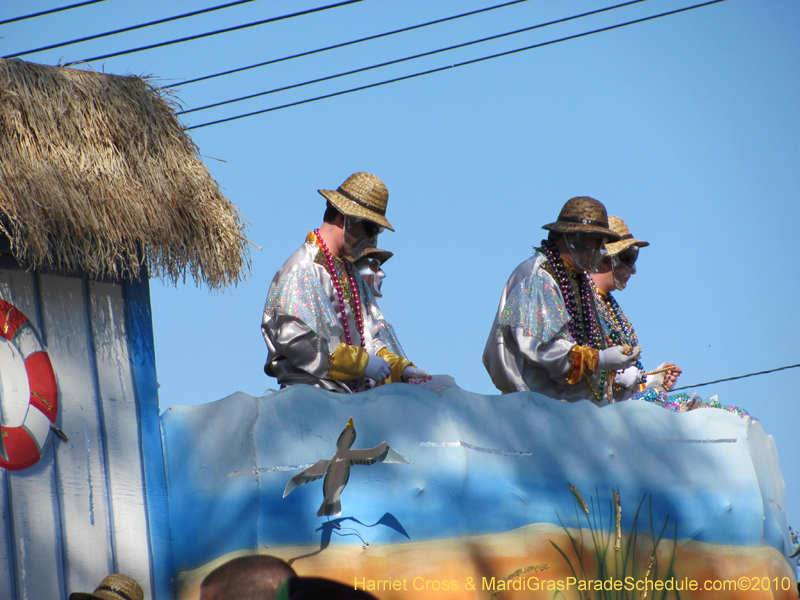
(360, 234)
(587, 250)
(623, 265)
(371, 272)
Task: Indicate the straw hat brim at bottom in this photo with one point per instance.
(114, 587)
(94, 596)
(561, 227)
(614, 248)
(351, 209)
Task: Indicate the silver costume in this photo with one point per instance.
(529, 343)
(301, 324)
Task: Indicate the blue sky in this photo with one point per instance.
(686, 126)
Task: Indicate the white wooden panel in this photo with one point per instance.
(7, 574)
(32, 495)
(82, 484)
(120, 424)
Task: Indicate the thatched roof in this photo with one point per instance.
(98, 175)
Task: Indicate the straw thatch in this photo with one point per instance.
(98, 175)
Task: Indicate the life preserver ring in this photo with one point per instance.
(21, 446)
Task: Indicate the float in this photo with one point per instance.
(458, 495)
(419, 494)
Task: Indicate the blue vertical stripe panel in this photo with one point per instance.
(143, 360)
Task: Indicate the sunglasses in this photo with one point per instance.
(628, 258)
(372, 229)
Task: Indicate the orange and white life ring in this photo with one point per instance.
(21, 446)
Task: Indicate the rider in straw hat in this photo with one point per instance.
(546, 336)
(321, 323)
(615, 270)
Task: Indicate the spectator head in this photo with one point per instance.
(256, 577)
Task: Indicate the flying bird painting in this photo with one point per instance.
(337, 469)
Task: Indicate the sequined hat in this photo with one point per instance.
(362, 195)
(113, 587)
(626, 239)
(380, 255)
(583, 214)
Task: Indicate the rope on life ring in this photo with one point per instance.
(21, 446)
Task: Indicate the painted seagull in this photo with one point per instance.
(337, 469)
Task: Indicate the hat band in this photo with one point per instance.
(626, 237)
(120, 593)
(602, 224)
(349, 196)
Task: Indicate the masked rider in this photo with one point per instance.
(546, 336)
(321, 323)
(615, 270)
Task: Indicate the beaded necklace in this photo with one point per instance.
(621, 321)
(337, 284)
(620, 329)
(583, 325)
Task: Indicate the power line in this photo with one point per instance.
(697, 385)
(400, 60)
(342, 45)
(49, 12)
(461, 64)
(131, 28)
(218, 31)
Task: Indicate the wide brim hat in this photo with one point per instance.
(113, 587)
(380, 255)
(583, 214)
(626, 238)
(362, 195)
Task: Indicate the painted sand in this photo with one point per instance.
(475, 567)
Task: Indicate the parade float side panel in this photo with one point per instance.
(91, 503)
(480, 489)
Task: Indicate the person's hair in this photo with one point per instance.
(256, 577)
(331, 212)
(316, 588)
(554, 236)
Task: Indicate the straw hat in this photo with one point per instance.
(362, 195)
(626, 239)
(380, 255)
(583, 214)
(113, 587)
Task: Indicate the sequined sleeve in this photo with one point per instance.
(299, 294)
(535, 306)
(382, 331)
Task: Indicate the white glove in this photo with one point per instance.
(628, 377)
(414, 373)
(613, 359)
(377, 368)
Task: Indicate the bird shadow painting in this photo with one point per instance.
(331, 526)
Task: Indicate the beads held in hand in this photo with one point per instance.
(616, 359)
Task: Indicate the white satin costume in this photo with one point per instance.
(530, 346)
(303, 331)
